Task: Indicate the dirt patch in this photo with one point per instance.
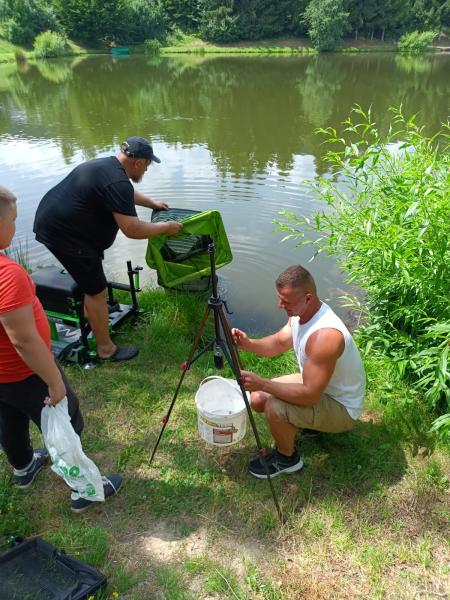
(163, 542)
(166, 546)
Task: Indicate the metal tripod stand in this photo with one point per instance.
(221, 346)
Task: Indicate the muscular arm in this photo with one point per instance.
(269, 346)
(323, 349)
(141, 200)
(136, 229)
(21, 329)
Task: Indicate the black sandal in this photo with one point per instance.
(122, 353)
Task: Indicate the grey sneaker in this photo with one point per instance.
(23, 480)
(111, 486)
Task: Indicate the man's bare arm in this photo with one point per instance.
(323, 349)
(136, 229)
(271, 345)
(21, 329)
(142, 200)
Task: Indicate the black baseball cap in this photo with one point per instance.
(139, 147)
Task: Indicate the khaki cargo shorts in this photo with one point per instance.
(327, 415)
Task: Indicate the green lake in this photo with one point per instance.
(234, 133)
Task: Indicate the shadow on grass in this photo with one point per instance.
(189, 477)
(356, 462)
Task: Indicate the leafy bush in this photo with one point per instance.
(90, 21)
(327, 22)
(219, 24)
(175, 37)
(49, 44)
(106, 21)
(22, 21)
(260, 19)
(387, 220)
(183, 14)
(416, 42)
(152, 46)
(143, 20)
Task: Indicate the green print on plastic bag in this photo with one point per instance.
(72, 472)
(69, 460)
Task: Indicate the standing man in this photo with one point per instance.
(328, 393)
(80, 217)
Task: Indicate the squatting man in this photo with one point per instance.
(327, 394)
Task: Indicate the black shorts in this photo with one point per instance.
(86, 271)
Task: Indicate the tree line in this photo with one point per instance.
(222, 21)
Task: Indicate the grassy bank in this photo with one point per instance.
(185, 45)
(284, 45)
(194, 45)
(188, 44)
(367, 517)
(7, 51)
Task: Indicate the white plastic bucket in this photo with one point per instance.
(221, 411)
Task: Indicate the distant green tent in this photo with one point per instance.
(183, 258)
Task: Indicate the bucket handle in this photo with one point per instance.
(218, 377)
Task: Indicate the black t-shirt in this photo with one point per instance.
(76, 216)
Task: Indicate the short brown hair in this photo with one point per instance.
(7, 200)
(298, 277)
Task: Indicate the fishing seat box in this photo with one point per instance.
(56, 289)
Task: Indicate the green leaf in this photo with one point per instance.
(411, 210)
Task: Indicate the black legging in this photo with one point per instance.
(24, 400)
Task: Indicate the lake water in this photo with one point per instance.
(235, 134)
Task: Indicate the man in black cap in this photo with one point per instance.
(80, 217)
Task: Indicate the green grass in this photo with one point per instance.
(254, 50)
(189, 44)
(7, 52)
(72, 49)
(366, 517)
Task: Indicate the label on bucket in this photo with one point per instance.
(216, 433)
(223, 436)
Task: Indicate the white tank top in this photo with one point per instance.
(348, 382)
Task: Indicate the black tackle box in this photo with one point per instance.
(35, 570)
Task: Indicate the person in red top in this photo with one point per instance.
(29, 375)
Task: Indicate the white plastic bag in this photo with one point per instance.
(68, 458)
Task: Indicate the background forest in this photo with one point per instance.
(96, 22)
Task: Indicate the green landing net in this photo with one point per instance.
(184, 258)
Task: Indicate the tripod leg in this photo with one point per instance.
(185, 368)
(236, 366)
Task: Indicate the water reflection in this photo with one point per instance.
(412, 64)
(234, 133)
(251, 112)
(53, 71)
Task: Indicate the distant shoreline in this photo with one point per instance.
(285, 46)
